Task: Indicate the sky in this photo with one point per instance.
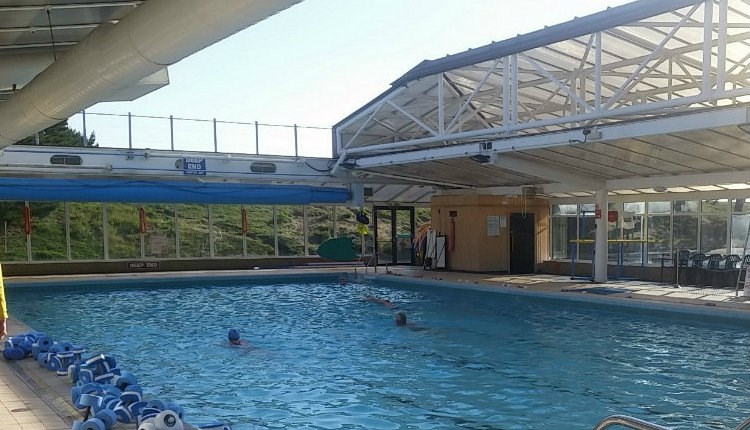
(313, 65)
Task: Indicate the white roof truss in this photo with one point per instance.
(664, 90)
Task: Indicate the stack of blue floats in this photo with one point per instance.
(108, 394)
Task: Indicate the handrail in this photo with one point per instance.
(637, 424)
(743, 425)
(630, 422)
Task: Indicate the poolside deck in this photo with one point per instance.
(34, 399)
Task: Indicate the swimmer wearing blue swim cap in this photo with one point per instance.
(234, 337)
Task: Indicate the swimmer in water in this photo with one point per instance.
(401, 322)
(384, 302)
(234, 338)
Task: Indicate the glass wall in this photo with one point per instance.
(160, 238)
(289, 222)
(319, 226)
(192, 224)
(227, 230)
(685, 226)
(659, 241)
(564, 231)
(633, 232)
(14, 236)
(713, 239)
(48, 241)
(739, 225)
(111, 231)
(586, 232)
(123, 231)
(649, 232)
(260, 235)
(86, 231)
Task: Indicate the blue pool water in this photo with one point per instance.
(325, 359)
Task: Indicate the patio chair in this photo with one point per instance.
(731, 261)
(697, 260)
(682, 258)
(713, 261)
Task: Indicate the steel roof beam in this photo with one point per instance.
(674, 124)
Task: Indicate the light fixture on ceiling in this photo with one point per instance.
(660, 189)
(589, 134)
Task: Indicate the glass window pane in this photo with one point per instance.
(227, 230)
(685, 206)
(715, 207)
(739, 233)
(384, 236)
(259, 230)
(685, 231)
(587, 226)
(564, 209)
(633, 229)
(635, 207)
(713, 234)
(659, 207)
(587, 208)
(563, 231)
(124, 235)
(614, 232)
(160, 231)
(319, 226)
(404, 234)
(86, 231)
(14, 238)
(346, 225)
(741, 206)
(658, 235)
(422, 216)
(48, 231)
(192, 225)
(289, 223)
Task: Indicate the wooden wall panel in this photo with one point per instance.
(474, 251)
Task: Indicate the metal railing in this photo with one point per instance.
(638, 424)
(629, 422)
(207, 135)
(744, 425)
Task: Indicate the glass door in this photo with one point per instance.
(404, 229)
(394, 231)
(383, 235)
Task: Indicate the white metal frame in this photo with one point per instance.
(518, 100)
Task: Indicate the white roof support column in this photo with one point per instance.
(600, 244)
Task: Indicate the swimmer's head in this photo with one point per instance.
(233, 335)
(400, 319)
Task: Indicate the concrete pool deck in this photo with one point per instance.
(31, 398)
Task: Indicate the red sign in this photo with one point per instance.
(612, 216)
(597, 213)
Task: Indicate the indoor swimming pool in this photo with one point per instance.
(321, 357)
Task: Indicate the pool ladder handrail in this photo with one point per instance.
(744, 425)
(638, 424)
(629, 422)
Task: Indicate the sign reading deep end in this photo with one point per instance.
(143, 265)
(194, 166)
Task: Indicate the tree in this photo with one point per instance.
(60, 134)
